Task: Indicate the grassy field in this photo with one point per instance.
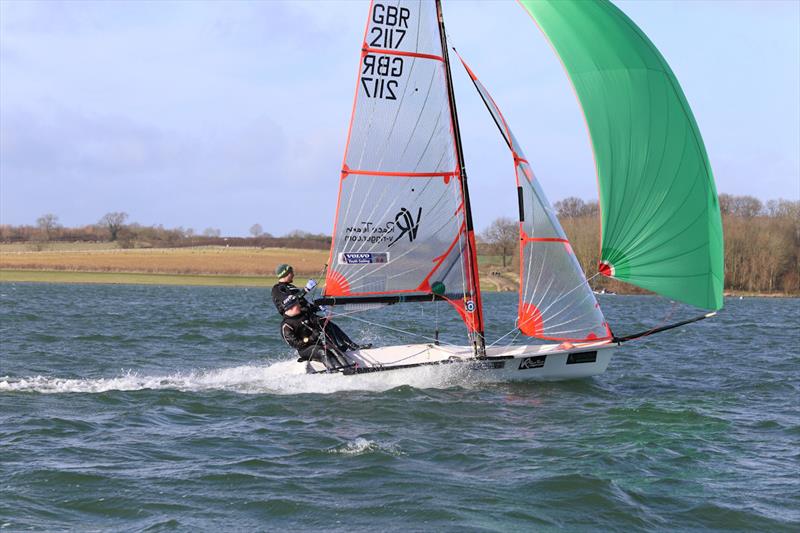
(212, 260)
(217, 266)
(56, 246)
(127, 278)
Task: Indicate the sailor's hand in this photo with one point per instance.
(310, 285)
(322, 309)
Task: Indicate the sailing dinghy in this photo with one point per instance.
(403, 230)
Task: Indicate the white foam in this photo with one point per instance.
(283, 377)
(361, 446)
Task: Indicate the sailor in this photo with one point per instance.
(284, 288)
(302, 332)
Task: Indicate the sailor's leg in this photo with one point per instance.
(305, 354)
(338, 356)
(314, 362)
(339, 337)
(317, 359)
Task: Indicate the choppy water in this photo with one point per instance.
(163, 408)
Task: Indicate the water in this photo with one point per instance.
(171, 408)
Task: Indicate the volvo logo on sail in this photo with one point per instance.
(404, 220)
(363, 258)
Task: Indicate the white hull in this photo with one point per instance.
(502, 363)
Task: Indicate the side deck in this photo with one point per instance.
(506, 363)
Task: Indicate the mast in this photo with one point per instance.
(478, 341)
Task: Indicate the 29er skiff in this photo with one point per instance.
(403, 229)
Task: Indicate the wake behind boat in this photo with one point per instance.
(403, 230)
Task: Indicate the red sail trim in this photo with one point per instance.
(368, 50)
(336, 284)
(400, 174)
(476, 289)
(531, 323)
(524, 237)
(466, 316)
(544, 239)
(469, 70)
(499, 113)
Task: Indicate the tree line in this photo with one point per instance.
(113, 227)
(762, 242)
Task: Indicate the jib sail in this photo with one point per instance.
(403, 230)
(555, 300)
(661, 226)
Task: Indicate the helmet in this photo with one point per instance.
(283, 270)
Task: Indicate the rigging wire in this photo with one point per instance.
(398, 330)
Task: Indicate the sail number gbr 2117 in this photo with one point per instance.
(379, 76)
(379, 73)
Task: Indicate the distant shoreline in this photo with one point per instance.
(206, 280)
(216, 266)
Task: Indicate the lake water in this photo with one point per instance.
(177, 408)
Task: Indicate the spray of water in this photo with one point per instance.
(283, 377)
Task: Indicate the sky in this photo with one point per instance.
(201, 114)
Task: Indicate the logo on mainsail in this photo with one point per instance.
(405, 221)
(363, 258)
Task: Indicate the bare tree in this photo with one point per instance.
(256, 230)
(590, 209)
(726, 202)
(47, 224)
(503, 236)
(113, 222)
(783, 208)
(211, 232)
(747, 206)
(571, 207)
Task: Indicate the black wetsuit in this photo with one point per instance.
(304, 333)
(283, 289)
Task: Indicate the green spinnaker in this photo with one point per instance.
(661, 225)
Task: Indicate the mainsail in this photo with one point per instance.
(403, 230)
(555, 300)
(661, 225)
